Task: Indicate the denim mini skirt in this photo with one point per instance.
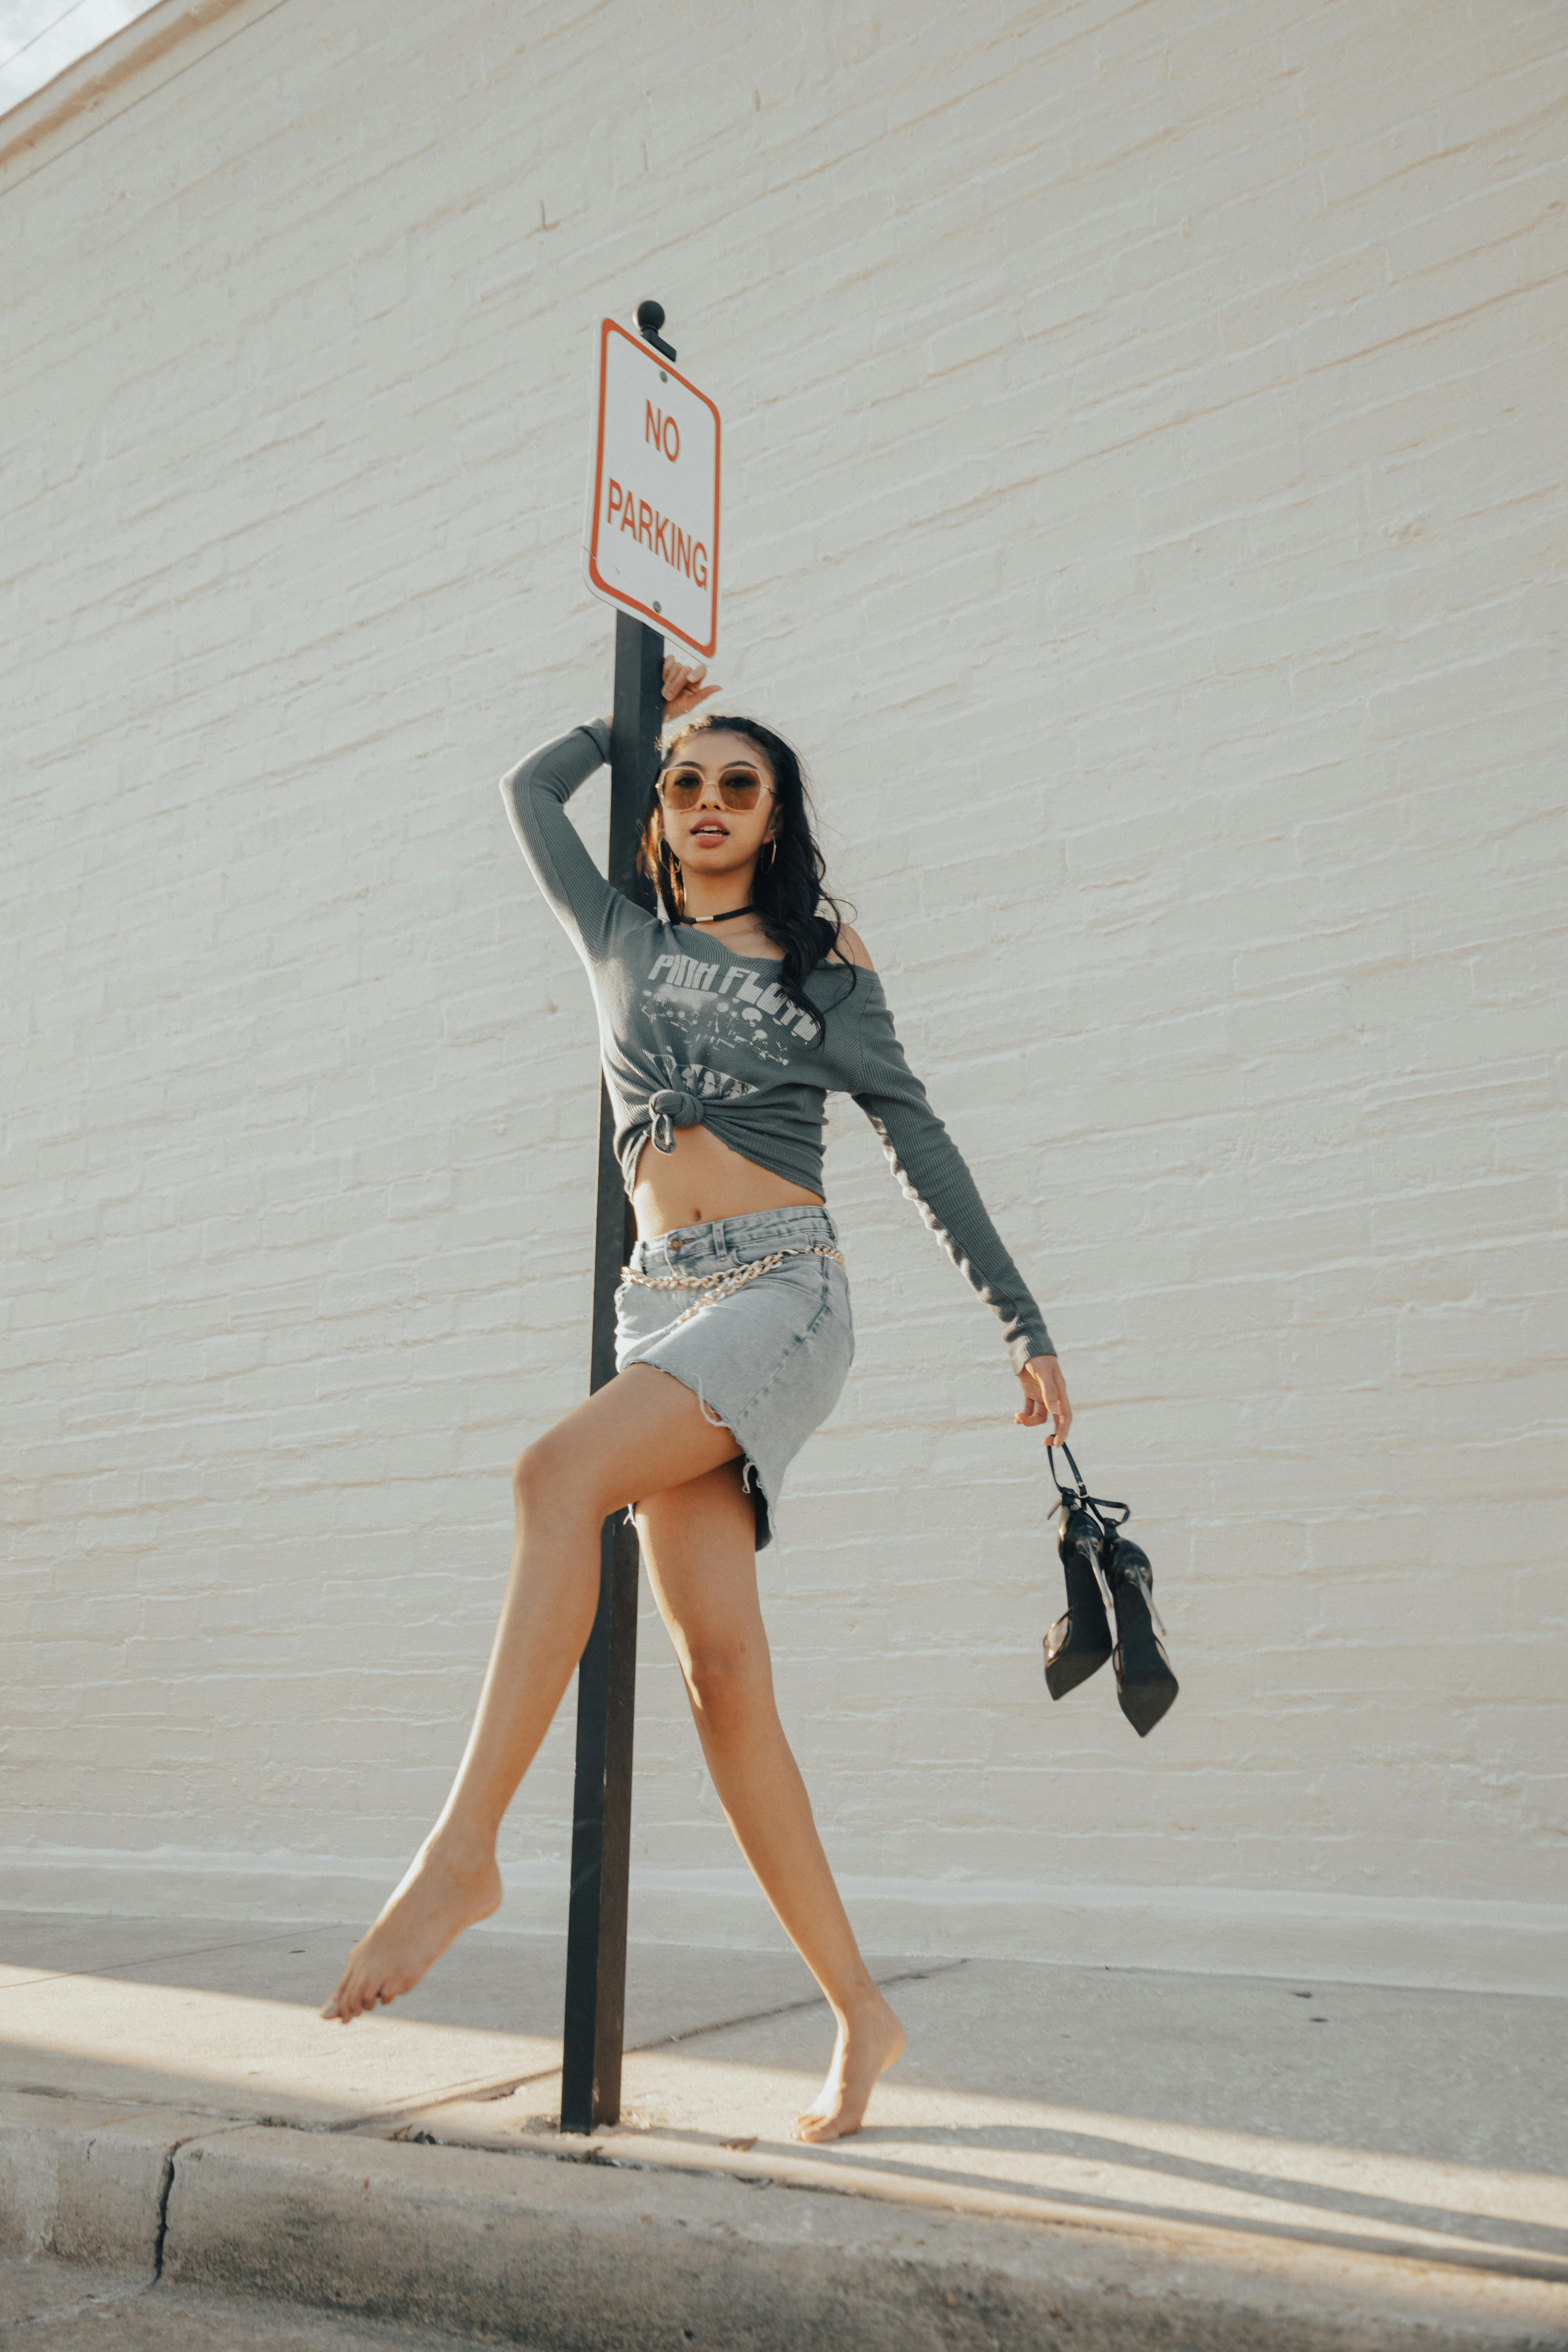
(768, 1359)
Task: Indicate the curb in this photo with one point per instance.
(87, 2180)
(608, 2256)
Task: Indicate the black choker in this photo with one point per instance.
(728, 917)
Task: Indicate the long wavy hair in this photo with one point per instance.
(803, 922)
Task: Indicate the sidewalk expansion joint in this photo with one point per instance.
(488, 2092)
(786, 2008)
(166, 2190)
(150, 1960)
(160, 2226)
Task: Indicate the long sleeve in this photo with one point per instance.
(536, 793)
(931, 1170)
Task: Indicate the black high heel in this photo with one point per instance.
(1080, 1643)
(1145, 1686)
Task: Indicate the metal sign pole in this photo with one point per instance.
(606, 1677)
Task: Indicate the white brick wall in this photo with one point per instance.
(1144, 448)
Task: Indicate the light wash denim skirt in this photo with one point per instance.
(768, 1359)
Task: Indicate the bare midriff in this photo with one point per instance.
(702, 1178)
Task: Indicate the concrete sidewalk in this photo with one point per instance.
(1091, 2156)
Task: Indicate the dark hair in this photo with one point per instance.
(799, 916)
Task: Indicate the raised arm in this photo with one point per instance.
(536, 793)
(932, 1172)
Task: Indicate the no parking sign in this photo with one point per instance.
(652, 541)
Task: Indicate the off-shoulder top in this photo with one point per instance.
(691, 1033)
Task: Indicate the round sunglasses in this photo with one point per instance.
(683, 788)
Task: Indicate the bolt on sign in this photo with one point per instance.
(652, 541)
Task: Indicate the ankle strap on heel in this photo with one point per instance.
(1107, 1515)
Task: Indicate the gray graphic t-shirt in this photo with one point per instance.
(691, 1032)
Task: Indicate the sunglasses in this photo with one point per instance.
(683, 788)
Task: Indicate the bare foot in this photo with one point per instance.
(867, 2046)
(431, 1909)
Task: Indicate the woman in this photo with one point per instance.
(726, 1015)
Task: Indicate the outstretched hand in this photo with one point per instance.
(684, 689)
(1044, 1398)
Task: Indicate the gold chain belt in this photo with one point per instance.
(724, 1286)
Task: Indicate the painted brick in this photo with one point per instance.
(1140, 433)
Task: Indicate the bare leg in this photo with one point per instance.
(698, 1540)
(640, 1432)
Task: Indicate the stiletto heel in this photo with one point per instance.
(1078, 1644)
(1145, 1686)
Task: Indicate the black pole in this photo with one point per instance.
(606, 1677)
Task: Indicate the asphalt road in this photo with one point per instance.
(60, 2307)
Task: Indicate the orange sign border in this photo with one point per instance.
(660, 621)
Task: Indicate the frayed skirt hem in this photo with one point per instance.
(750, 1475)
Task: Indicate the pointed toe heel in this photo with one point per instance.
(1146, 1687)
(1072, 1652)
(1080, 1643)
